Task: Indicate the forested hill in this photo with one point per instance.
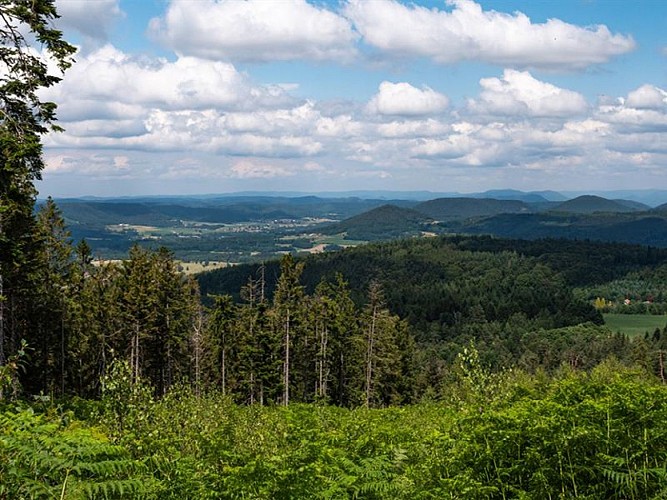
(589, 204)
(382, 223)
(643, 228)
(578, 262)
(463, 208)
(438, 284)
(585, 217)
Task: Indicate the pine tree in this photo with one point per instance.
(222, 319)
(49, 336)
(333, 321)
(381, 353)
(287, 305)
(138, 307)
(255, 349)
(24, 117)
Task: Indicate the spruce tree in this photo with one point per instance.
(24, 117)
(287, 304)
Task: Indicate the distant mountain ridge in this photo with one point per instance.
(585, 217)
(464, 208)
(384, 222)
(589, 204)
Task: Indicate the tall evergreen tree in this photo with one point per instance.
(382, 366)
(24, 117)
(333, 321)
(51, 300)
(222, 328)
(287, 303)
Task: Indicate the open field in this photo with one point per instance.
(635, 324)
(198, 267)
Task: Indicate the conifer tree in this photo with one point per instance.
(332, 319)
(222, 325)
(51, 301)
(24, 117)
(288, 301)
(381, 354)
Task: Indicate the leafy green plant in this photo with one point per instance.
(10, 370)
(125, 399)
(41, 457)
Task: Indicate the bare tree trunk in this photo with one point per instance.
(134, 357)
(3, 360)
(369, 357)
(325, 363)
(252, 388)
(223, 366)
(197, 347)
(322, 367)
(287, 361)
(262, 282)
(2, 323)
(62, 347)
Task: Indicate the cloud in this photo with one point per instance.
(88, 164)
(246, 169)
(153, 119)
(93, 19)
(518, 93)
(109, 75)
(647, 97)
(412, 128)
(468, 32)
(644, 110)
(406, 100)
(254, 30)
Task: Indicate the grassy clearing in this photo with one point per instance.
(635, 324)
(198, 267)
(338, 239)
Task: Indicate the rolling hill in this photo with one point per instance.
(589, 204)
(464, 208)
(385, 222)
(640, 228)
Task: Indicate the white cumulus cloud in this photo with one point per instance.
(467, 32)
(92, 19)
(404, 99)
(647, 97)
(255, 30)
(518, 93)
(109, 75)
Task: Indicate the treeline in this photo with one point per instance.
(376, 325)
(639, 292)
(67, 319)
(440, 285)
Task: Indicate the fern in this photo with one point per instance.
(42, 459)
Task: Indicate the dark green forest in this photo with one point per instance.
(440, 367)
(463, 367)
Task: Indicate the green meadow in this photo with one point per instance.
(635, 324)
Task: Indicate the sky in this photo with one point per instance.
(222, 96)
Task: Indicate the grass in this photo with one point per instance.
(338, 239)
(635, 324)
(198, 267)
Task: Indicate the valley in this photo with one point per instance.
(233, 229)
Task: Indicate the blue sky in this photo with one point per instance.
(206, 96)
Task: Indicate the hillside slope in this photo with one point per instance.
(589, 204)
(382, 223)
(464, 208)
